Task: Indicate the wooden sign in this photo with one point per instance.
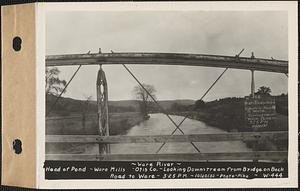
(259, 112)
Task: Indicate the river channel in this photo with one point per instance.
(159, 124)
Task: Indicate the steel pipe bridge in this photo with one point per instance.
(259, 64)
(252, 64)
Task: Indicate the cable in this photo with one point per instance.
(186, 116)
(162, 109)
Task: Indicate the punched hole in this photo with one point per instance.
(17, 146)
(17, 41)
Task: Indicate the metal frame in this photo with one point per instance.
(268, 65)
(102, 103)
(251, 64)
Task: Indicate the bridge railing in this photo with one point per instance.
(238, 136)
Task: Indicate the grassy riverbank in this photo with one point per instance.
(231, 124)
(66, 116)
(228, 114)
(74, 124)
(281, 124)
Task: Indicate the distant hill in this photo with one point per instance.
(167, 104)
(67, 106)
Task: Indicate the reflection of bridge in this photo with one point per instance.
(103, 139)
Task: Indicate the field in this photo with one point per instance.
(75, 125)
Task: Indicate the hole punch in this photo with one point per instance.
(17, 41)
(17, 146)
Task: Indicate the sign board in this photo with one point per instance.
(259, 111)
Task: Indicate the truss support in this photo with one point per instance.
(102, 102)
(258, 64)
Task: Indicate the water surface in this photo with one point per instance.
(159, 124)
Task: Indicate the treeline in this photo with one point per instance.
(226, 110)
(235, 103)
(281, 103)
(226, 113)
(68, 106)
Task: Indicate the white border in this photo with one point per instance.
(291, 7)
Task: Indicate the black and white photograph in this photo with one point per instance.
(150, 95)
(167, 93)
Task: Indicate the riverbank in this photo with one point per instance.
(76, 124)
(120, 123)
(231, 124)
(210, 120)
(236, 125)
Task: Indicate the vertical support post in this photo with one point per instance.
(252, 84)
(252, 95)
(255, 145)
(102, 103)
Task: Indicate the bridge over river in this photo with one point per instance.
(159, 129)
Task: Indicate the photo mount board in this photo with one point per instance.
(18, 95)
(19, 109)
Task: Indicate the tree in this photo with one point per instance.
(199, 104)
(54, 85)
(144, 97)
(179, 107)
(263, 91)
(175, 107)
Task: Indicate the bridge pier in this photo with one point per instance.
(102, 103)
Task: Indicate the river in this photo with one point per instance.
(159, 124)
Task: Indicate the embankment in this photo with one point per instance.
(235, 123)
(77, 124)
(209, 119)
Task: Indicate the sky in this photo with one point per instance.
(197, 32)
